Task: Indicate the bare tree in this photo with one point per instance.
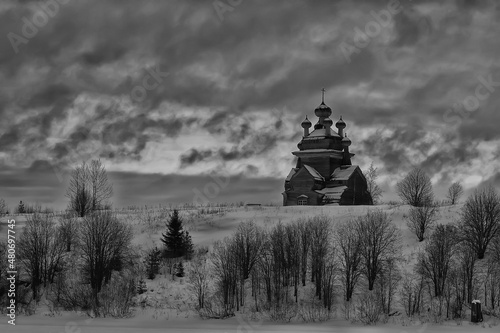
(89, 188)
(466, 260)
(105, 243)
(436, 260)
(78, 192)
(416, 188)
(40, 251)
(292, 255)
(380, 241)
(371, 181)
(100, 188)
(226, 275)
(199, 280)
(480, 219)
(387, 284)
(305, 245)
(249, 240)
(411, 294)
(455, 191)
(68, 228)
(320, 249)
(421, 219)
(349, 251)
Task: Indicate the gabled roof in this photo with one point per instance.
(344, 172)
(332, 194)
(290, 175)
(316, 175)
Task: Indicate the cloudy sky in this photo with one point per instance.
(179, 98)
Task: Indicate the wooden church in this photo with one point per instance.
(324, 173)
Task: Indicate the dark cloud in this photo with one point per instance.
(194, 155)
(65, 95)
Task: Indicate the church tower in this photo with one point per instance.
(324, 173)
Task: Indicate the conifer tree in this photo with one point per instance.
(180, 270)
(153, 263)
(187, 245)
(141, 286)
(173, 238)
(20, 208)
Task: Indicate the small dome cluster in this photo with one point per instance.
(323, 112)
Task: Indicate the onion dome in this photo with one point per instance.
(327, 122)
(340, 123)
(323, 111)
(306, 123)
(346, 142)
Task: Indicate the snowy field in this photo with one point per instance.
(174, 308)
(70, 323)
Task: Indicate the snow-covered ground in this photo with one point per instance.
(72, 323)
(173, 311)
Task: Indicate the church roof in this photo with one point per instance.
(320, 132)
(290, 175)
(344, 172)
(332, 194)
(316, 175)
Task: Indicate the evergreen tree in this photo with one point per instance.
(173, 238)
(187, 245)
(20, 208)
(141, 286)
(153, 263)
(180, 270)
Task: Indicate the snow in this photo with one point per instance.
(290, 175)
(175, 313)
(343, 172)
(73, 323)
(314, 172)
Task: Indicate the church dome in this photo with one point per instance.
(323, 111)
(340, 123)
(327, 122)
(346, 142)
(306, 123)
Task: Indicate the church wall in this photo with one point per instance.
(292, 197)
(356, 187)
(302, 183)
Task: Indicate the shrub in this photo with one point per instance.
(116, 297)
(314, 313)
(368, 309)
